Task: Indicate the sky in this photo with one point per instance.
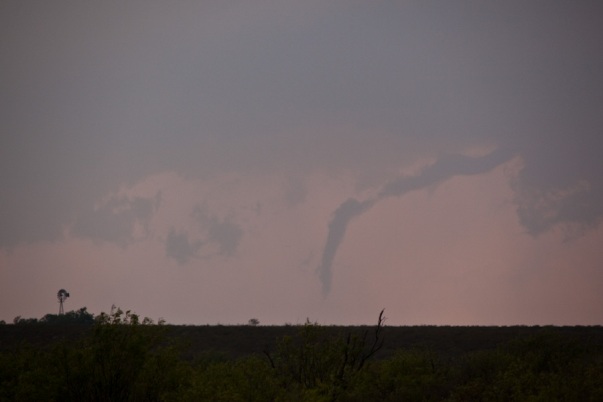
(209, 162)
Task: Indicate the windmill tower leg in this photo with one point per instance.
(61, 296)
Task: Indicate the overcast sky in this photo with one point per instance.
(216, 161)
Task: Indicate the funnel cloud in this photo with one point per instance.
(445, 167)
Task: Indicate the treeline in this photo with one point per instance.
(125, 358)
(79, 317)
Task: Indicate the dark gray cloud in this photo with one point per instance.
(214, 236)
(115, 220)
(561, 185)
(179, 246)
(226, 234)
(95, 97)
(223, 233)
(445, 167)
(574, 209)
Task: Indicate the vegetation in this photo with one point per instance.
(118, 356)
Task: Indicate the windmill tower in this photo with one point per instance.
(62, 296)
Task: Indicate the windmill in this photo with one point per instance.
(62, 296)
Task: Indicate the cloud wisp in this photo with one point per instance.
(115, 221)
(446, 167)
(214, 236)
(179, 246)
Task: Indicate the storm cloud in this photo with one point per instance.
(307, 112)
(84, 113)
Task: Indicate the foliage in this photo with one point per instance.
(123, 360)
(81, 316)
(246, 379)
(412, 375)
(121, 357)
(323, 366)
